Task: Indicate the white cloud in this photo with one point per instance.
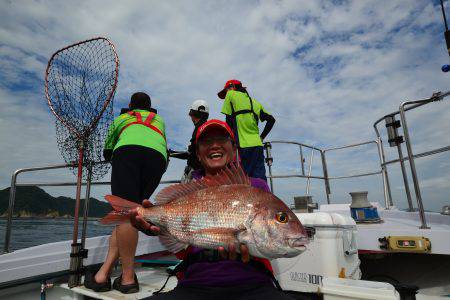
(326, 71)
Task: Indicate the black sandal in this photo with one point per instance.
(90, 283)
(126, 288)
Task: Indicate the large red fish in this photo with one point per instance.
(217, 211)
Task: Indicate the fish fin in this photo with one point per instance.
(115, 218)
(233, 174)
(245, 237)
(179, 190)
(121, 210)
(171, 243)
(120, 204)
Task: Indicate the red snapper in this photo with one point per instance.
(217, 211)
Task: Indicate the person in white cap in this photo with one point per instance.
(199, 113)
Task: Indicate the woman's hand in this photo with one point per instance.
(232, 253)
(141, 224)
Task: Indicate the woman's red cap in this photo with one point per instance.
(223, 92)
(214, 123)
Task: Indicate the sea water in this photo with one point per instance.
(36, 231)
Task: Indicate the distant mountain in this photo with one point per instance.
(35, 202)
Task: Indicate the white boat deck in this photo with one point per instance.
(150, 281)
(399, 223)
(54, 257)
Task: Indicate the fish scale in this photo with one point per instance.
(220, 213)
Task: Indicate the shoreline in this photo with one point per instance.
(47, 218)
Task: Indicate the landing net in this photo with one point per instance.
(81, 80)
(80, 83)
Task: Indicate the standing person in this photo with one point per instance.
(242, 115)
(199, 113)
(212, 274)
(136, 144)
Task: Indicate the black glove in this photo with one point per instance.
(107, 154)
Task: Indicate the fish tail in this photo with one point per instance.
(121, 210)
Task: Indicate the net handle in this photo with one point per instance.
(106, 103)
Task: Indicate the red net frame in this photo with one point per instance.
(80, 83)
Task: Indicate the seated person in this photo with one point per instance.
(216, 274)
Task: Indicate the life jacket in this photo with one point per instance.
(146, 123)
(244, 111)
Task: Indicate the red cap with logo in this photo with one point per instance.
(214, 123)
(229, 83)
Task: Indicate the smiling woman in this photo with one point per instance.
(215, 146)
(206, 272)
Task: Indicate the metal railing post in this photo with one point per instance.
(308, 180)
(412, 166)
(269, 160)
(302, 159)
(405, 177)
(12, 197)
(325, 175)
(384, 173)
(86, 206)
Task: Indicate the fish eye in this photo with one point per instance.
(282, 217)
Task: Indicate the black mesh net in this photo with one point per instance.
(68, 145)
(81, 82)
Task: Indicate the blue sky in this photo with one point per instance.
(325, 69)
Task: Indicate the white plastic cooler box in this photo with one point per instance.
(332, 252)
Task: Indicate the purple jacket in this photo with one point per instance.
(225, 272)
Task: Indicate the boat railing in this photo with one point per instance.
(394, 140)
(322, 152)
(15, 184)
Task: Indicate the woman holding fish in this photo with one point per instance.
(221, 209)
